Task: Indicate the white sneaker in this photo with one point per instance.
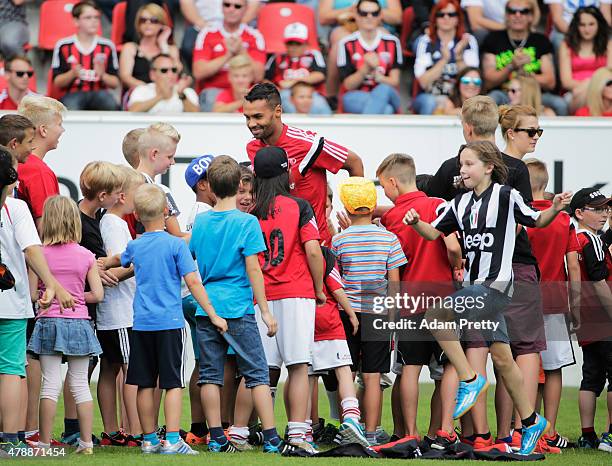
(147, 447)
(305, 446)
(178, 448)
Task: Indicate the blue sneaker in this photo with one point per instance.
(351, 432)
(216, 447)
(605, 444)
(532, 434)
(282, 448)
(467, 395)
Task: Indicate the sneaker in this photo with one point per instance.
(33, 440)
(84, 450)
(305, 446)
(351, 432)
(216, 447)
(584, 442)
(605, 444)
(558, 441)
(134, 440)
(193, 439)
(544, 447)
(147, 447)
(242, 446)
(71, 440)
(444, 440)
(317, 429)
(329, 434)
(256, 437)
(382, 436)
(161, 432)
(467, 395)
(480, 443)
(517, 438)
(532, 434)
(178, 448)
(119, 439)
(427, 441)
(283, 448)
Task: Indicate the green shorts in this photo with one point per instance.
(13, 346)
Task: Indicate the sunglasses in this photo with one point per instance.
(237, 6)
(467, 81)
(21, 74)
(148, 20)
(364, 14)
(174, 69)
(609, 83)
(514, 90)
(518, 11)
(449, 14)
(531, 132)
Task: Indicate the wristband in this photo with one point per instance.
(182, 96)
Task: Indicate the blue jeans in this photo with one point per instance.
(556, 102)
(190, 305)
(207, 98)
(91, 100)
(243, 336)
(319, 103)
(382, 100)
(425, 104)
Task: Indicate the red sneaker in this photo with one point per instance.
(516, 441)
(444, 440)
(193, 439)
(118, 439)
(481, 443)
(543, 447)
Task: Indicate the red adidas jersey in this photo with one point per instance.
(37, 182)
(6, 103)
(284, 265)
(549, 246)
(352, 49)
(210, 44)
(328, 325)
(310, 158)
(595, 265)
(282, 67)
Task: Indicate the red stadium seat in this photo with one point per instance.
(273, 19)
(56, 22)
(118, 23)
(52, 90)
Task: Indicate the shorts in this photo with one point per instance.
(524, 315)
(559, 352)
(330, 354)
(293, 341)
(417, 347)
(190, 305)
(115, 345)
(158, 354)
(596, 366)
(13, 347)
(367, 356)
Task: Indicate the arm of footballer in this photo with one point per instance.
(109, 262)
(314, 257)
(122, 273)
(344, 302)
(424, 229)
(353, 164)
(253, 270)
(575, 281)
(199, 293)
(604, 294)
(453, 251)
(560, 201)
(96, 293)
(173, 227)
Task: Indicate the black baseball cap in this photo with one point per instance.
(588, 197)
(270, 162)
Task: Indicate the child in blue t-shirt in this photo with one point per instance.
(158, 337)
(231, 273)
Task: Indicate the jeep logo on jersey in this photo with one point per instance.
(479, 241)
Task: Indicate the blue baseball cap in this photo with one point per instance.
(197, 169)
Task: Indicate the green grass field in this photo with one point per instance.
(568, 423)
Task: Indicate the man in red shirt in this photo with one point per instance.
(18, 71)
(216, 45)
(310, 155)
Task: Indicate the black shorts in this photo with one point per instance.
(115, 345)
(596, 366)
(159, 353)
(29, 330)
(368, 356)
(416, 347)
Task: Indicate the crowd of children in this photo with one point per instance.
(260, 279)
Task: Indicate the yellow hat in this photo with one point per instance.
(357, 192)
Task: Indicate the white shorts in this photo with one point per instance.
(293, 341)
(329, 354)
(559, 352)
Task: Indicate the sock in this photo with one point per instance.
(217, 434)
(199, 429)
(371, 437)
(505, 439)
(309, 430)
(471, 380)
(71, 426)
(270, 435)
(332, 397)
(85, 444)
(486, 436)
(610, 428)
(239, 434)
(152, 437)
(11, 437)
(273, 395)
(470, 437)
(296, 431)
(225, 425)
(589, 433)
(350, 409)
(172, 437)
(20, 435)
(519, 430)
(529, 421)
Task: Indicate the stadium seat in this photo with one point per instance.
(273, 19)
(56, 22)
(52, 90)
(407, 22)
(3, 83)
(118, 23)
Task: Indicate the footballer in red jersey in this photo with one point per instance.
(310, 155)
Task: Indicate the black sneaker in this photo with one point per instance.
(394, 438)
(283, 448)
(161, 432)
(328, 435)
(318, 429)
(256, 437)
(216, 447)
(444, 440)
(558, 441)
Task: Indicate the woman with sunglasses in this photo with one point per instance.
(525, 90)
(599, 95)
(468, 84)
(440, 54)
(587, 47)
(154, 34)
(520, 129)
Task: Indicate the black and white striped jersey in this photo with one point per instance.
(488, 223)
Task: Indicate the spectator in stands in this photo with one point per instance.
(302, 97)
(517, 50)
(562, 12)
(468, 84)
(299, 63)
(525, 90)
(368, 62)
(586, 48)
(599, 95)
(240, 76)
(201, 14)
(85, 65)
(153, 33)
(18, 71)
(166, 93)
(343, 14)
(217, 44)
(484, 16)
(440, 54)
(14, 32)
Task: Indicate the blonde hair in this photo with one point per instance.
(149, 202)
(130, 146)
(130, 178)
(531, 94)
(595, 89)
(155, 136)
(400, 166)
(240, 61)
(40, 109)
(98, 177)
(155, 11)
(61, 221)
(510, 117)
(480, 112)
(538, 174)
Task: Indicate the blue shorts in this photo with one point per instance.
(190, 305)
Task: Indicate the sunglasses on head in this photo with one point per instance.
(236, 6)
(531, 132)
(148, 20)
(364, 14)
(467, 80)
(21, 74)
(174, 69)
(518, 11)
(450, 14)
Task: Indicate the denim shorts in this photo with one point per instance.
(190, 305)
(70, 337)
(243, 336)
